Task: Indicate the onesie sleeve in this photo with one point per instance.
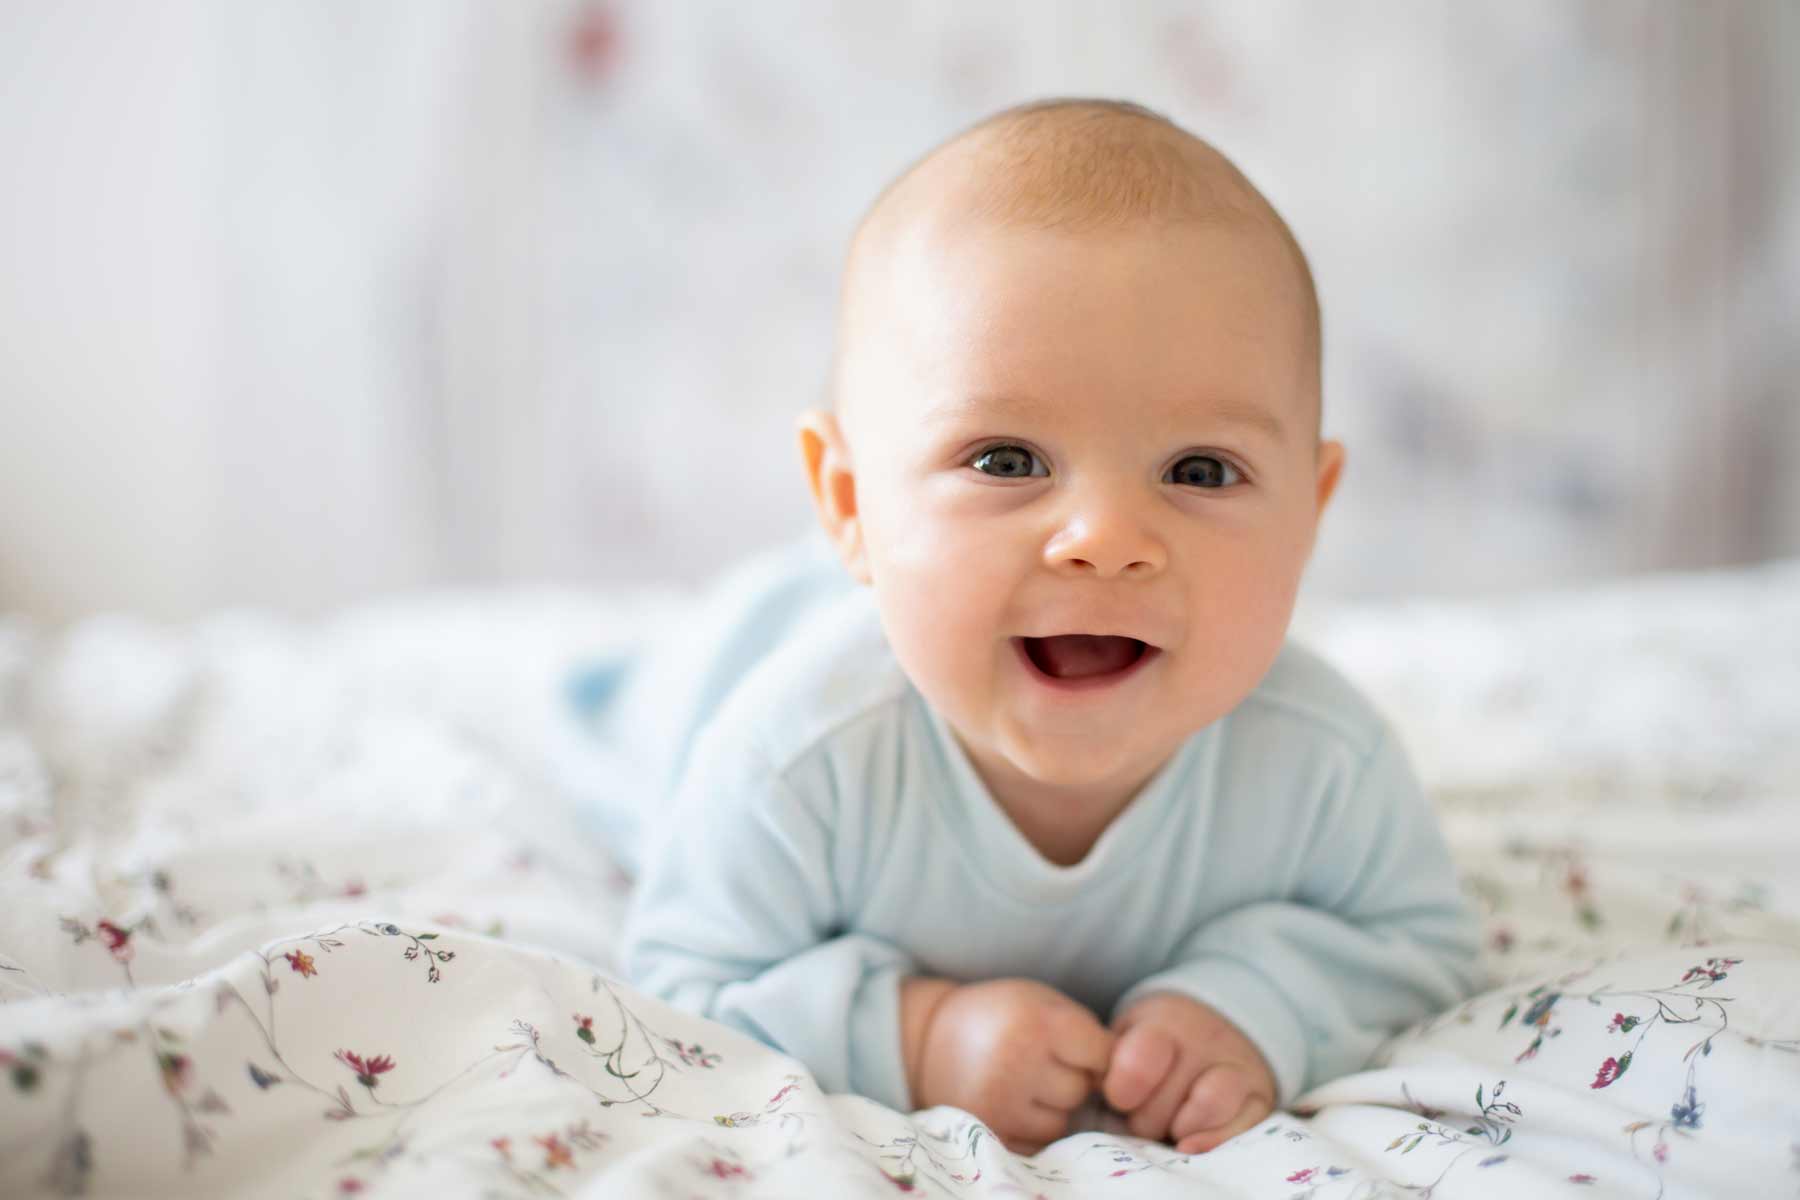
(736, 917)
(1375, 937)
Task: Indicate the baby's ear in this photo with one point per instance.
(1330, 466)
(833, 482)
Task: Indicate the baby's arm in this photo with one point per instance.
(736, 917)
(920, 998)
(1376, 936)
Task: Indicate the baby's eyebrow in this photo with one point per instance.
(1242, 413)
(1251, 416)
(983, 405)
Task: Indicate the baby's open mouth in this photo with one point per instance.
(1079, 655)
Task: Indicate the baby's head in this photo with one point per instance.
(1075, 392)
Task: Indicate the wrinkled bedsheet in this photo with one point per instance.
(305, 909)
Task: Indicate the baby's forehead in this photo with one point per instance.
(1072, 331)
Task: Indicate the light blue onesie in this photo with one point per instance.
(829, 837)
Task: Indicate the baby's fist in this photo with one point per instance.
(1182, 1072)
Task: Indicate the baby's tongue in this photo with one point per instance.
(1074, 655)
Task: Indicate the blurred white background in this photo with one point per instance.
(303, 302)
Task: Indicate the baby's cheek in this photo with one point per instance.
(1246, 600)
(936, 626)
(949, 579)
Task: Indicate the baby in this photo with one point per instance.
(1051, 805)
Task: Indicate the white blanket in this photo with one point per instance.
(302, 911)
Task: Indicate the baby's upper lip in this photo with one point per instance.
(1125, 629)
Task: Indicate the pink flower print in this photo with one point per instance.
(301, 962)
(556, 1152)
(118, 940)
(1610, 1070)
(725, 1170)
(367, 1068)
(584, 1028)
(504, 1146)
(1581, 1177)
(693, 1055)
(1714, 970)
(593, 45)
(1622, 1024)
(1303, 1176)
(350, 1185)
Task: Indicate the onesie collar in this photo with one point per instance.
(1000, 855)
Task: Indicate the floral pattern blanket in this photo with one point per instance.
(304, 910)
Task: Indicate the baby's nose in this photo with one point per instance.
(1105, 545)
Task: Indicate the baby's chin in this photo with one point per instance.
(1104, 762)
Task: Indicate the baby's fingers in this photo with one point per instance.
(1151, 1119)
(1222, 1103)
(1062, 1088)
(1141, 1060)
(1032, 1127)
(1211, 1139)
(1078, 1040)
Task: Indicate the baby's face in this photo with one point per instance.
(1056, 436)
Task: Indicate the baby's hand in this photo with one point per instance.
(1181, 1071)
(1016, 1053)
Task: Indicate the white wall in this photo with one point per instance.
(307, 301)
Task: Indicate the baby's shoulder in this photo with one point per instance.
(823, 681)
(1305, 698)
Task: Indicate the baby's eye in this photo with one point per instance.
(1007, 462)
(1204, 471)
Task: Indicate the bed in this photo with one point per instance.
(307, 909)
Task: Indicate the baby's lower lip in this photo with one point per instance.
(1088, 683)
